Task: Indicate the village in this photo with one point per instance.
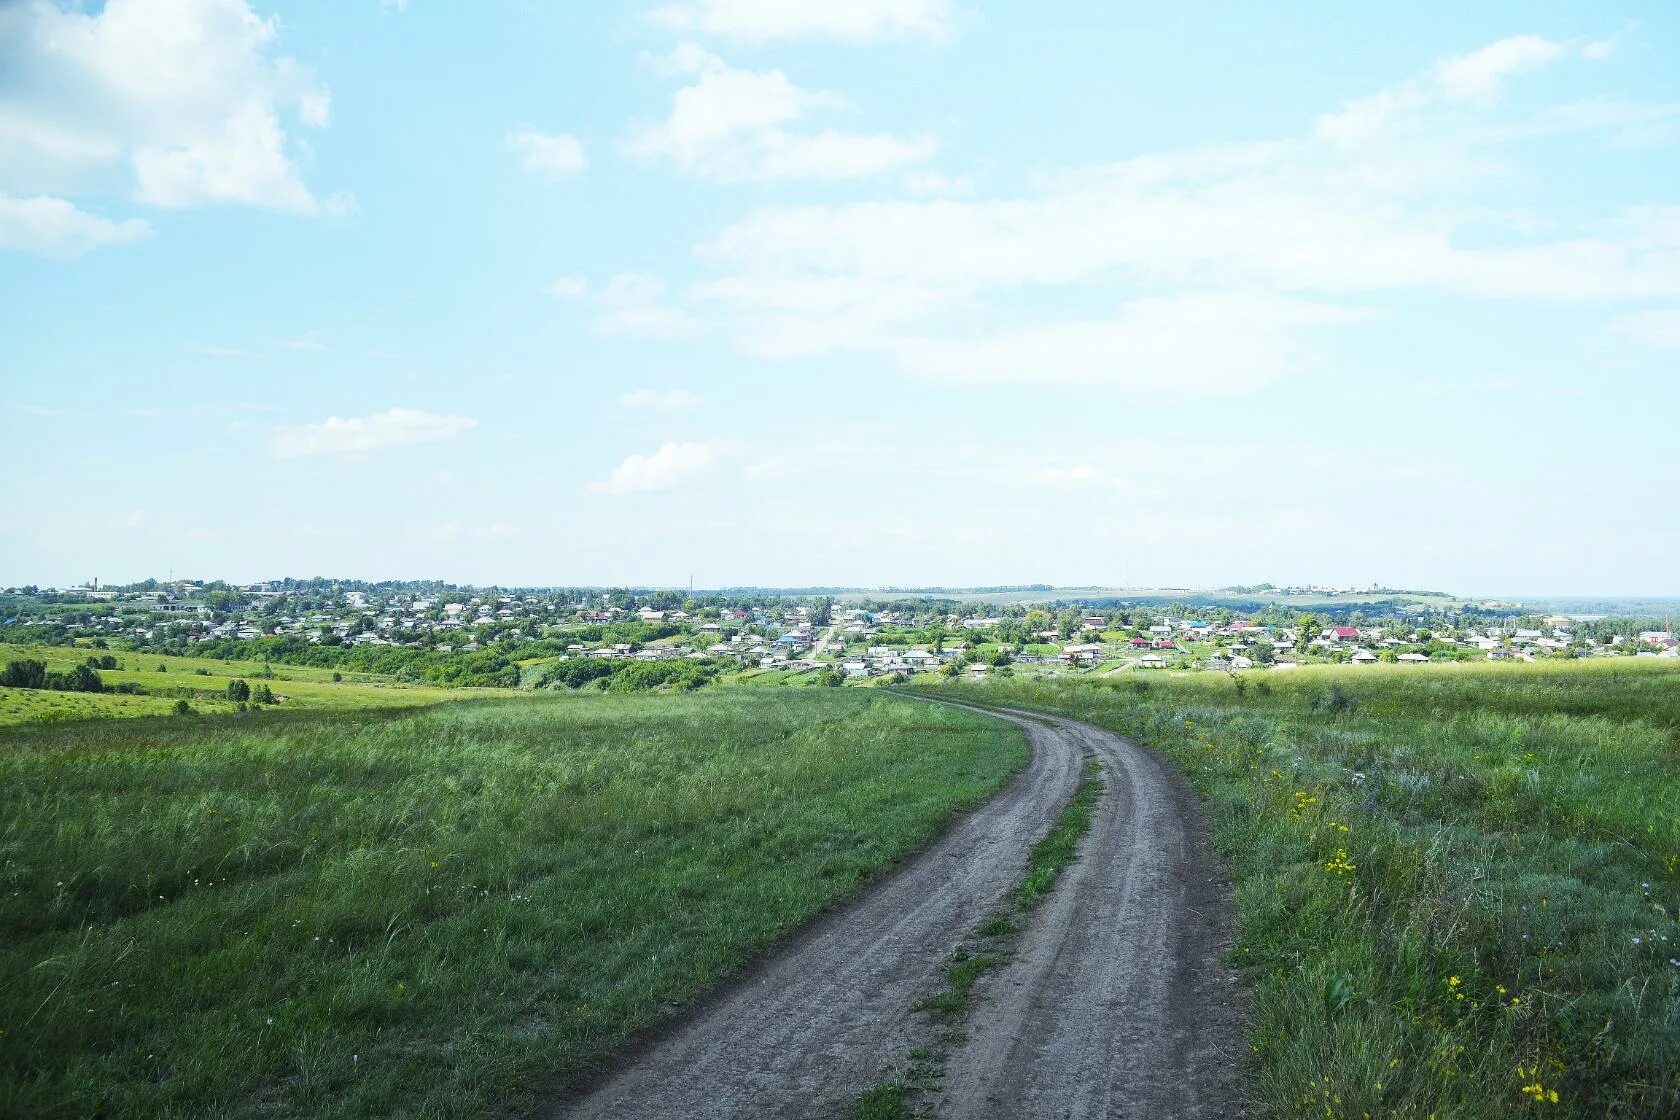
(776, 639)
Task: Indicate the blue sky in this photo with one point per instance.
(882, 292)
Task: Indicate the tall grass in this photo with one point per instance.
(1456, 889)
(442, 914)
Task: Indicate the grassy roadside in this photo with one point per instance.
(447, 913)
(1456, 891)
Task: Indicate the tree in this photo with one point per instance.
(238, 691)
(83, 679)
(1308, 627)
(25, 673)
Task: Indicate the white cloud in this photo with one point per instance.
(932, 184)
(1659, 329)
(659, 400)
(764, 470)
(1453, 81)
(634, 304)
(187, 95)
(54, 227)
(397, 427)
(1226, 261)
(728, 125)
(569, 287)
(1185, 345)
(1084, 474)
(671, 465)
(848, 21)
(553, 156)
(1480, 72)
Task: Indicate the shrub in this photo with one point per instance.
(238, 691)
(25, 673)
(182, 708)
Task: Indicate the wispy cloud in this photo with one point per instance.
(552, 155)
(55, 227)
(1659, 328)
(736, 126)
(1227, 263)
(398, 427)
(664, 469)
(852, 21)
(660, 400)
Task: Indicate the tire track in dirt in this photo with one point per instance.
(1115, 1004)
(803, 1032)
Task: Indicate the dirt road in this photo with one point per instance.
(1115, 1006)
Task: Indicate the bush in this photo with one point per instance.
(182, 708)
(25, 674)
(1332, 701)
(83, 679)
(238, 691)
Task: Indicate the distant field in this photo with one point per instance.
(202, 682)
(446, 913)
(1457, 885)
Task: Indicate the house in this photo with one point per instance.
(1413, 659)
(1364, 657)
(1344, 634)
(1093, 622)
(1152, 661)
(1140, 643)
(1085, 654)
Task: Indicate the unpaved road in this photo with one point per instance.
(1116, 1004)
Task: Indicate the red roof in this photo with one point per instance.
(1347, 632)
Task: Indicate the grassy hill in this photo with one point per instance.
(442, 913)
(202, 682)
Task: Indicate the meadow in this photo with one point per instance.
(451, 912)
(1456, 886)
(202, 682)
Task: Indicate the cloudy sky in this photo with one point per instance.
(803, 291)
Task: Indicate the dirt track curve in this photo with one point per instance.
(1116, 1004)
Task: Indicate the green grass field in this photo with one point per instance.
(1456, 885)
(202, 682)
(443, 913)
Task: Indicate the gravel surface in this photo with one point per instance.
(1116, 1004)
